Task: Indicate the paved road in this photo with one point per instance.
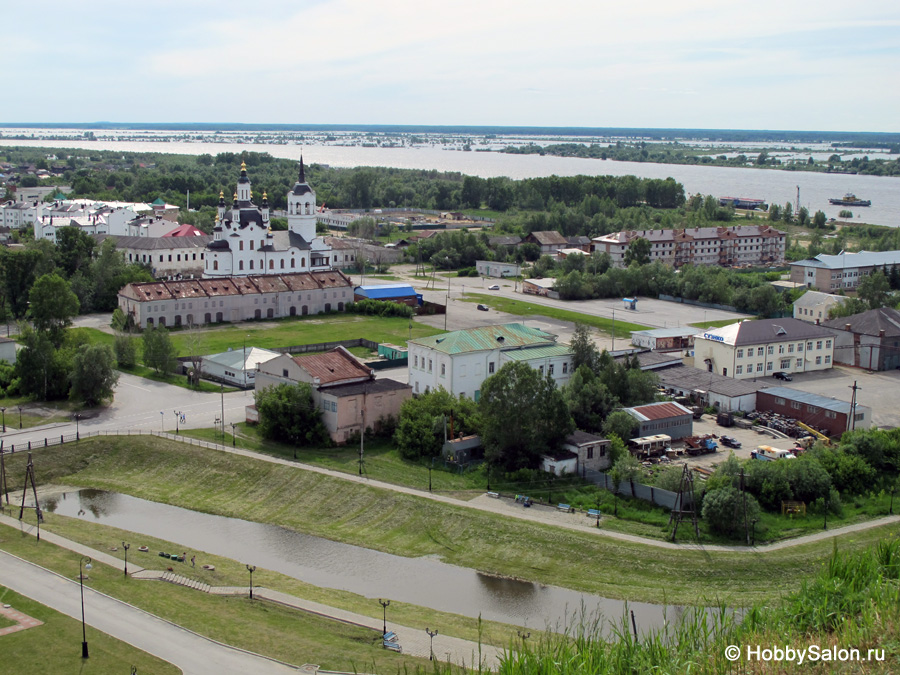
(190, 652)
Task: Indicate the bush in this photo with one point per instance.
(126, 351)
(380, 308)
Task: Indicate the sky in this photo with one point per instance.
(769, 64)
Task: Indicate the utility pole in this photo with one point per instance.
(852, 421)
(614, 331)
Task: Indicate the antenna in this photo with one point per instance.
(685, 491)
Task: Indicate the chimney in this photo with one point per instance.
(847, 326)
(881, 333)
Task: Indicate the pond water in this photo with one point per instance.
(427, 582)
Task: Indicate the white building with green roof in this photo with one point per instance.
(461, 360)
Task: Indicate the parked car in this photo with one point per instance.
(495, 287)
(729, 442)
(483, 308)
(781, 375)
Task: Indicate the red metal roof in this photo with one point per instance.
(335, 367)
(658, 411)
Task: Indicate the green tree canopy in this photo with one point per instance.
(159, 352)
(584, 349)
(588, 400)
(53, 305)
(93, 374)
(621, 425)
(723, 510)
(420, 431)
(638, 252)
(287, 413)
(524, 416)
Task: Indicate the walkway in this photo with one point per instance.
(415, 641)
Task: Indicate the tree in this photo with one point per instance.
(518, 392)
(17, 274)
(621, 425)
(159, 352)
(588, 400)
(875, 289)
(93, 374)
(74, 250)
(288, 413)
(584, 349)
(126, 351)
(819, 219)
(53, 305)
(723, 510)
(626, 468)
(420, 431)
(41, 368)
(638, 251)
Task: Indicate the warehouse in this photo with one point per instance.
(402, 293)
(817, 411)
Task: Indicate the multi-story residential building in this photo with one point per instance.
(461, 360)
(244, 243)
(203, 301)
(16, 215)
(165, 256)
(726, 246)
(829, 273)
(764, 347)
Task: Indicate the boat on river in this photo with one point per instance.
(851, 199)
(744, 203)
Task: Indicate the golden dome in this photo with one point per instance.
(221, 194)
(243, 166)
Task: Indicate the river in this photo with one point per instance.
(426, 581)
(774, 186)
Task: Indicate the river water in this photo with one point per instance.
(774, 186)
(426, 582)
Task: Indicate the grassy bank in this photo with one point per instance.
(522, 308)
(55, 646)
(261, 627)
(408, 525)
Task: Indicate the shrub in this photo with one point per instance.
(723, 510)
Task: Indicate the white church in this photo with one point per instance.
(243, 243)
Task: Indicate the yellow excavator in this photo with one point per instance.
(816, 434)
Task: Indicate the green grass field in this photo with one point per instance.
(55, 647)
(714, 324)
(622, 328)
(408, 525)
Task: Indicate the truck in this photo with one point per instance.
(767, 453)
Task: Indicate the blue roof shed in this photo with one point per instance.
(388, 292)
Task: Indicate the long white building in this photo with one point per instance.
(461, 360)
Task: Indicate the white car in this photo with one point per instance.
(495, 287)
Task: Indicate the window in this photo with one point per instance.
(565, 367)
(739, 370)
(443, 369)
(429, 365)
(859, 417)
(779, 401)
(251, 244)
(795, 405)
(215, 264)
(827, 359)
(240, 264)
(759, 352)
(799, 363)
(830, 414)
(550, 369)
(541, 370)
(491, 368)
(769, 366)
(590, 452)
(781, 349)
(770, 350)
(759, 367)
(818, 360)
(251, 264)
(284, 372)
(818, 344)
(415, 362)
(740, 353)
(799, 346)
(241, 245)
(812, 409)
(809, 345)
(791, 348)
(827, 344)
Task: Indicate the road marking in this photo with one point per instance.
(128, 384)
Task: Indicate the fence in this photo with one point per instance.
(325, 346)
(62, 439)
(648, 493)
(697, 303)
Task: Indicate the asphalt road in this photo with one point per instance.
(190, 652)
(137, 405)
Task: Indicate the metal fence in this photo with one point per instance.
(648, 493)
(49, 441)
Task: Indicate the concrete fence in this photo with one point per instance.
(648, 493)
(51, 440)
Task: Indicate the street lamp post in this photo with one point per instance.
(431, 634)
(20, 416)
(429, 479)
(177, 414)
(126, 547)
(162, 421)
(77, 433)
(251, 569)
(84, 644)
(233, 438)
(384, 605)
(222, 392)
(3, 411)
(598, 511)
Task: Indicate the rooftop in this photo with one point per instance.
(811, 299)
(763, 331)
(825, 402)
(689, 378)
(333, 367)
(242, 359)
(579, 437)
(379, 386)
(860, 259)
(657, 411)
(537, 352)
(871, 322)
(485, 338)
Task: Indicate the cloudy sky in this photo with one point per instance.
(768, 64)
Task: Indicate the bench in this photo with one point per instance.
(495, 495)
(593, 513)
(393, 646)
(565, 507)
(390, 636)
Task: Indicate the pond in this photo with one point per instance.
(426, 581)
